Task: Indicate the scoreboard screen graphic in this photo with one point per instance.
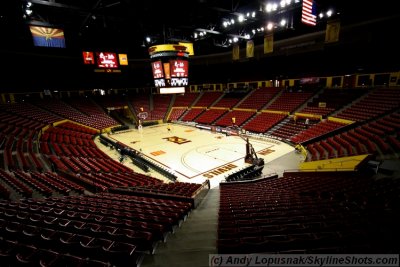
(157, 68)
(179, 68)
(123, 59)
(88, 58)
(107, 60)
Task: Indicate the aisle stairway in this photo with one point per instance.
(193, 241)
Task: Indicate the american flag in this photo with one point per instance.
(308, 13)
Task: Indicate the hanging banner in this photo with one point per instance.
(235, 52)
(332, 31)
(268, 43)
(250, 49)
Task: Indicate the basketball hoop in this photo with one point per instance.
(142, 116)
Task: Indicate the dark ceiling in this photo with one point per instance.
(368, 41)
(124, 24)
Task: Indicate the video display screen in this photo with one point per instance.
(179, 82)
(88, 58)
(107, 60)
(172, 90)
(157, 70)
(167, 70)
(179, 68)
(123, 59)
(159, 82)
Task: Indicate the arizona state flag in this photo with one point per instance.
(48, 37)
(268, 43)
(332, 31)
(235, 52)
(250, 49)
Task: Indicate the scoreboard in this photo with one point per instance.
(109, 62)
(170, 67)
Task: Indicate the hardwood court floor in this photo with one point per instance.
(195, 155)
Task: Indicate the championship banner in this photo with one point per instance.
(250, 49)
(235, 52)
(268, 43)
(332, 31)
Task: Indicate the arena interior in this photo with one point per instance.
(293, 150)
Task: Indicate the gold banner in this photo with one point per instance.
(235, 52)
(250, 49)
(268, 43)
(332, 31)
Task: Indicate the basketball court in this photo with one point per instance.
(194, 154)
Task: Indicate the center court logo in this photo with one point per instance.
(177, 140)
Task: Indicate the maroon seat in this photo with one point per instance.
(7, 251)
(27, 255)
(93, 247)
(123, 254)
